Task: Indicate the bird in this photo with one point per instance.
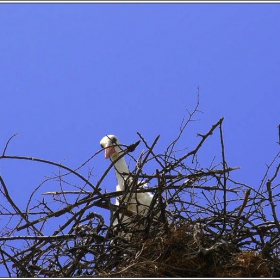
(138, 203)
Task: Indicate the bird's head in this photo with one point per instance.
(111, 145)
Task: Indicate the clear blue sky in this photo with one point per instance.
(72, 73)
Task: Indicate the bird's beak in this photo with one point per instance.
(109, 151)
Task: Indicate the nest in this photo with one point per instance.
(179, 253)
(209, 224)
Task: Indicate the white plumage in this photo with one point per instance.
(136, 202)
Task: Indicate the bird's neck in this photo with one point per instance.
(120, 168)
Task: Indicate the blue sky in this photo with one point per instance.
(72, 73)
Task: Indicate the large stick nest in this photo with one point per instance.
(202, 222)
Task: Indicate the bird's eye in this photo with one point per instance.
(114, 140)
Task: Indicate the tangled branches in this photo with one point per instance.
(209, 224)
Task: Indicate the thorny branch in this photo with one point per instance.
(196, 213)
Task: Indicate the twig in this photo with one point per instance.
(183, 126)
(6, 146)
(270, 197)
(66, 192)
(245, 201)
(194, 152)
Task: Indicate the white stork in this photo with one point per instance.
(136, 202)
